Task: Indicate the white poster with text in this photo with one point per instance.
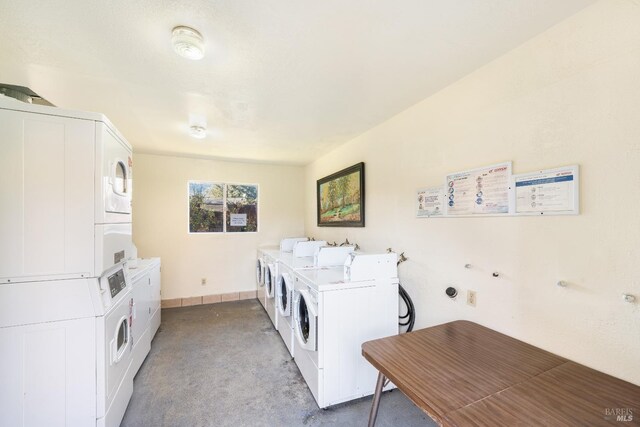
(430, 202)
(483, 191)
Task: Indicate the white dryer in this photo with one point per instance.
(324, 257)
(114, 346)
(70, 344)
(331, 322)
(65, 194)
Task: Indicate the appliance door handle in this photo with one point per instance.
(310, 307)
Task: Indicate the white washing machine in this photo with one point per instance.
(271, 253)
(261, 269)
(324, 257)
(270, 277)
(333, 315)
(274, 259)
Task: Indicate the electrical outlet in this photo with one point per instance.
(203, 281)
(471, 298)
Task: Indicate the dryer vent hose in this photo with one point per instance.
(408, 319)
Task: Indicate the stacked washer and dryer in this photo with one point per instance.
(66, 305)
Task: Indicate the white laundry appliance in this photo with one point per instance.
(267, 253)
(66, 350)
(335, 310)
(272, 257)
(260, 278)
(114, 310)
(65, 295)
(65, 193)
(145, 319)
(261, 273)
(324, 256)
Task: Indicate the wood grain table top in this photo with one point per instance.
(463, 374)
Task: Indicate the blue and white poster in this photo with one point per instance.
(552, 191)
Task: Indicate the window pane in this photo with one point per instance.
(206, 203)
(242, 208)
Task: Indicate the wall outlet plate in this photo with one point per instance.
(471, 298)
(203, 281)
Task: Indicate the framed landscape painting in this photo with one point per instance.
(341, 198)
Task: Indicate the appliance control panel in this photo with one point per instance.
(358, 267)
(117, 282)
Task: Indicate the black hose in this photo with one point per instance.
(411, 311)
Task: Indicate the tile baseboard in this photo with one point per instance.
(208, 299)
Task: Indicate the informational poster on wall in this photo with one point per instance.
(483, 191)
(547, 192)
(430, 202)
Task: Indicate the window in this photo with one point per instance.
(222, 208)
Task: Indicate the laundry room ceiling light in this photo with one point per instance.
(187, 42)
(198, 131)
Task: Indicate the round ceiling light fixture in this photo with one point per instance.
(198, 131)
(187, 42)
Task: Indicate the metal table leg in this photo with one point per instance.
(376, 400)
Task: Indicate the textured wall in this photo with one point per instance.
(570, 95)
(160, 224)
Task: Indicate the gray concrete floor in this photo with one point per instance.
(225, 365)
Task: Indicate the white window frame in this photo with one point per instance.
(225, 210)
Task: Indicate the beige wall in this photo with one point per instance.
(160, 226)
(570, 95)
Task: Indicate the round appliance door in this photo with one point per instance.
(120, 178)
(117, 347)
(285, 294)
(121, 339)
(118, 192)
(270, 278)
(305, 320)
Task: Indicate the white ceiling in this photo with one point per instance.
(282, 80)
